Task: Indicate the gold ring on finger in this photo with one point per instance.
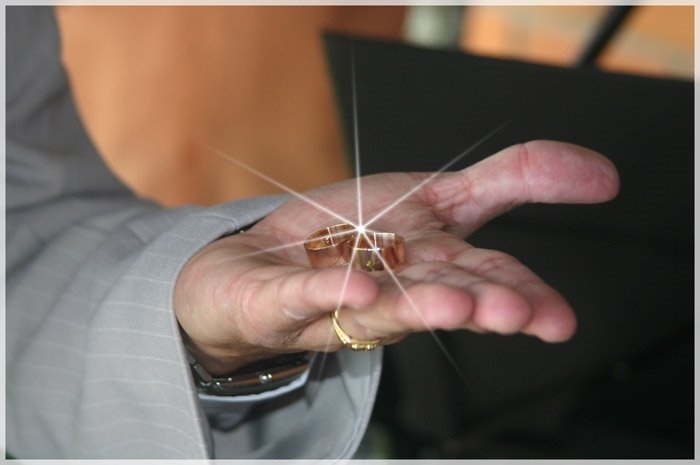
(349, 341)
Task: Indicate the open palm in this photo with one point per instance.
(253, 295)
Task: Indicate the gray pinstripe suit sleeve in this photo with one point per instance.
(95, 364)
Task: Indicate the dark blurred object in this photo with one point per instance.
(623, 387)
(612, 22)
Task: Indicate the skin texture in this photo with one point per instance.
(245, 298)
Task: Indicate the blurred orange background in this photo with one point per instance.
(157, 86)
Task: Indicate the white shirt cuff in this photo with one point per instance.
(225, 412)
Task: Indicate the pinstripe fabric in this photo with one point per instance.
(95, 364)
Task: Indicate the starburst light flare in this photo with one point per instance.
(360, 229)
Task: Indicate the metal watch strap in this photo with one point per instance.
(255, 378)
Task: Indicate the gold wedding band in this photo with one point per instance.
(341, 244)
(349, 341)
(374, 251)
(369, 251)
(329, 246)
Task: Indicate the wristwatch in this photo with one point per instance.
(254, 378)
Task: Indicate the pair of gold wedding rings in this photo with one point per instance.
(343, 243)
(365, 250)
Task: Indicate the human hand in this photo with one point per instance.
(251, 296)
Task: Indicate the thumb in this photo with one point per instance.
(537, 171)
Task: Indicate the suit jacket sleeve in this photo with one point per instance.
(94, 362)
